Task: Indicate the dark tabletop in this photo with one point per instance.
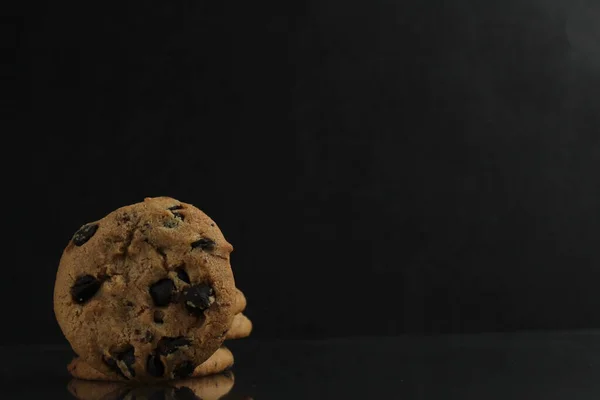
(562, 365)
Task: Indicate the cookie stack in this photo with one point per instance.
(147, 294)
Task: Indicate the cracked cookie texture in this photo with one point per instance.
(147, 292)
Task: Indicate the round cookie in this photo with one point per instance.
(221, 360)
(147, 292)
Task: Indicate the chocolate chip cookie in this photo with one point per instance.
(146, 292)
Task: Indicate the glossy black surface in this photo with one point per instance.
(529, 366)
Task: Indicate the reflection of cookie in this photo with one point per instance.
(208, 388)
(240, 328)
(218, 362)
(146, 292)
(94, 390)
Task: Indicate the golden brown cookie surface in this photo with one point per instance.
(146, 292)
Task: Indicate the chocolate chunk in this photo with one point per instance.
(168, 345)
(178, 215)
(112, 364)
(204, 244)
(158, 316)
(154, 366)
(173, 224)
(185, 393)
(198, 297)
(162, 292)
(184, 369)
(181, 274)
(128, 358)
(85, 288)
(84, 234)
(170, 223)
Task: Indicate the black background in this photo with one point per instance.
(381, 167)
